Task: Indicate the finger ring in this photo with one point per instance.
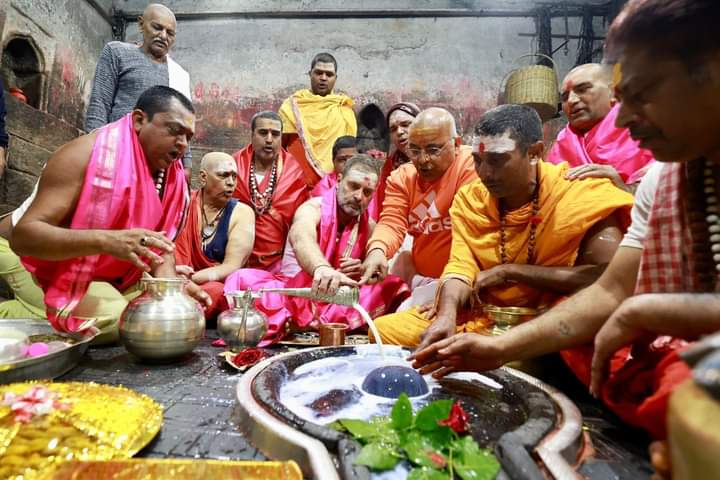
(143, 241)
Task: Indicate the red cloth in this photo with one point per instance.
(639, 382)
(271, 228)
(189, 251)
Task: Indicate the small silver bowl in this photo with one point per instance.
(504, 318)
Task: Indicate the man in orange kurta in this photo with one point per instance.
(218, 235)
(417, 203)
(522, 235)
(271, 181)
(314, 118)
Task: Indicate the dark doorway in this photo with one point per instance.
(22, 67)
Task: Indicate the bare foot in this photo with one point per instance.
(660, 459)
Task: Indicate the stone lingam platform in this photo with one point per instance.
(285, 402)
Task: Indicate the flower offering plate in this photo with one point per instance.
(48, 366)
(44, 423)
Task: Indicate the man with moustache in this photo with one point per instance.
(591, 143)
(107, 208)
(667, 75)
(125, 70)
(417, 203)
(271, 181)
(313, 119)
(219, 233)
(325, 250)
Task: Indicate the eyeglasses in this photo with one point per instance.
(431, 152)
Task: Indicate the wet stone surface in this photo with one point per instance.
(198, 394)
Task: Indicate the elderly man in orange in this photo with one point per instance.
(219, 232)
(313, 119)
(417, 203)
(523, 235)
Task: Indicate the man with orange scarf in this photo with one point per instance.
(107, 208)
(325, 249)
(271, 181)
(522, 235)
(313, 119)
(219, 233)
(417, 203)
(591, 143)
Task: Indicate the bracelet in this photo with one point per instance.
(318, 266)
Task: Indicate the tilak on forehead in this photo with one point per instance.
(493, 143)
(362, 177)
(568, 85)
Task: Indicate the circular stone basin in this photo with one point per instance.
(394, 380)
(508, 412)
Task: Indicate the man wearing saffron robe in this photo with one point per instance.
(591, 143)
(666, 78)
(219, 233)
(325, 249)
(522, 235)
(271, 181)
(417, 203)
(107, 209)
(312, 119)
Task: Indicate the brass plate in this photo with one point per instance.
(173, 469)
(92, 422)
(312, 339)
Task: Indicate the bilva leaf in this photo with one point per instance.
(420, 451)
(428, 417)
(402, 414)
(360, 428)
(425, 473)
(471, 462)
(377, 456)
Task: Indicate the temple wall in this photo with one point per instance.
(245, 56)
(66, 37)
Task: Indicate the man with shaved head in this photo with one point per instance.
(591, 144)
(417, 202)
(219, 233)
(125, 70)
(522, 235)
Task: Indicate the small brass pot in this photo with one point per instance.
(504, 318)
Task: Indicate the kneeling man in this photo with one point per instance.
(522, 235)
(107, 208)
(325, 249)
(219, 234)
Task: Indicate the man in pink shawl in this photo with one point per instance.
(324, 251)
(591, 144)
(107, 209)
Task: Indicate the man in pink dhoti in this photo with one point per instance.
(107, 209)
(324, 251)
(591, 143)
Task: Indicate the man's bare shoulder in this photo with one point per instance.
(73, 156)
(311, 206)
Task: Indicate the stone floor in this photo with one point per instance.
(198, 395)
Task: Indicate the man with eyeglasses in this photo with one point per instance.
(418, 196)
(522, 236)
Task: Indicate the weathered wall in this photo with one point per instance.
(69, 35)
(247, 56)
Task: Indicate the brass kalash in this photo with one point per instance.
(245, 326)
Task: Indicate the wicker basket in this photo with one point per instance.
(535, 86)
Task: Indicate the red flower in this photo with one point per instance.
(248, 356)
(457, 420)
(536, 219)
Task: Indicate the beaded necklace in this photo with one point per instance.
(535, 220)
(261, 202)
(209, 228)
(712, 219)
(160, 181)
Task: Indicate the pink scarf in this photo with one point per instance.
(118, 193)
(604, 144)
